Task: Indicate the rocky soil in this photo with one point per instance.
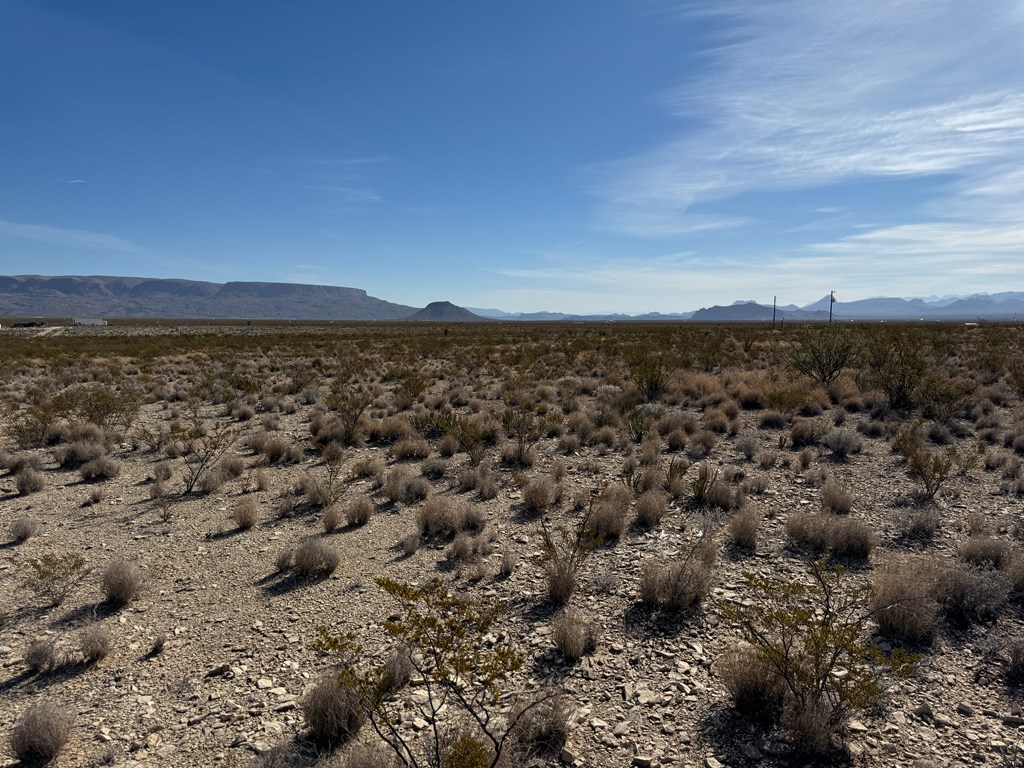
(237, 656)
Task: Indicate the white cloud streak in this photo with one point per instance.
(67, 238)
(807, 93)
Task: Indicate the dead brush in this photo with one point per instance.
(682, 583)
(743, 527)
(574, 635)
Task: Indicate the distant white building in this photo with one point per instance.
(89, 321)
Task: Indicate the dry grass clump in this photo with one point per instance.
(839, 536)
(540, 732)
(804, 433)
(986, 551)
(410, 449)
(681, 584)
(443, 517)
(95, 643)
(28, 480)
(754, 686)
(608, 520)
(902, 599)
(400, 485)
(102, 468)
(246, 513)
(969, 594)
(772, 420)
(315, 559)
(74, 455)
(41, 733)
(121, 583)
(42, 656)
(742, 528)
(434, 468)
(748, 446)
(22, 529)
(331, 518)
(574, 635)
(539, 495)
(358, 511)
(333, 711)
(842, 443)
(367, 466)
(835, 498)
(651, 507)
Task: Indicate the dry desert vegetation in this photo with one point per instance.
(507, 545)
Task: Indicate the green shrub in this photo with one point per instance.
(812, 635)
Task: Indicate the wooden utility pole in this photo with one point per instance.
(774, 302)
(832, 300)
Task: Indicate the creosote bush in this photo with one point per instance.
(806, 633)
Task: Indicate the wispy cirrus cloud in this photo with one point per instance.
(347, 192)
(799, 94)
(67, 238)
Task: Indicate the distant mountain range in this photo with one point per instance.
(110, 297)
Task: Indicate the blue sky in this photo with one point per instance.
(582, 155)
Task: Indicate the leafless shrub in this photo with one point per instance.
(95, 643)
(574, 635)
(41, 733)
(315, 559)
(121, 583)
(540, 730)
(246, 513)
(683, 583)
